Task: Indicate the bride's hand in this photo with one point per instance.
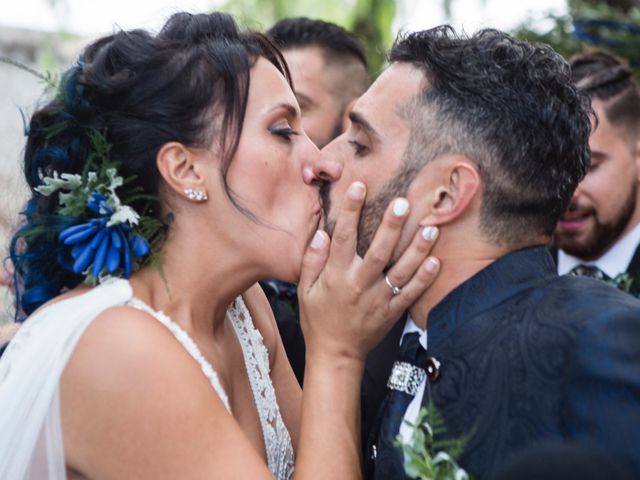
(346, 306)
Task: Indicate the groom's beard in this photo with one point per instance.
(373, 209)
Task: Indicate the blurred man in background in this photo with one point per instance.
(329, 71)
(599, 234)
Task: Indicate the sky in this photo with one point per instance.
(93, 17)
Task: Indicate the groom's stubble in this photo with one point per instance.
(374, 207)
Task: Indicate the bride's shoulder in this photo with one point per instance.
(122, 346)
(122, 342)
(129, 379)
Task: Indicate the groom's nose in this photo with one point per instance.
(323, 169)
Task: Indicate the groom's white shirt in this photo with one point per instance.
(413, 409)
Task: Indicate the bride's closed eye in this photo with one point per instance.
(284, 131)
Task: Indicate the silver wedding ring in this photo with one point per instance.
(395, 290)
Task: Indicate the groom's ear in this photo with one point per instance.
(181, 167)
(456, 190)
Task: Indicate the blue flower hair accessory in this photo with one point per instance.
(105, 236)
(84, 221)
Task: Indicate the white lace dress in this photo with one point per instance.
(30, 433)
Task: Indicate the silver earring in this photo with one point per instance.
(195, 195)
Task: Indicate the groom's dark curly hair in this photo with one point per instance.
(511, 108)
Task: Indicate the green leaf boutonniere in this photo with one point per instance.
(627, 283)
(426, 456)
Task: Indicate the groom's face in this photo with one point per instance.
(372, 150)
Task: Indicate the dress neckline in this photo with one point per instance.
(277, 440)
(187, 342)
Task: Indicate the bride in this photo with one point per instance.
(174, 162)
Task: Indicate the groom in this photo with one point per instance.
(487, 138)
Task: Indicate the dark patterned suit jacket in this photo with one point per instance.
(526, 357)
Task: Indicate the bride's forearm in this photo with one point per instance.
(330, 425)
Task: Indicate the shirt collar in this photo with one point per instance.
(410, 327)
(499, 281)
(614, 262)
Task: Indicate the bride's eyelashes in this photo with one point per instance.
(284, 132)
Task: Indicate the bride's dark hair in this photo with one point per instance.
(189, 84)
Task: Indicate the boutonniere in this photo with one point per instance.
(427, 456)
(627, 283)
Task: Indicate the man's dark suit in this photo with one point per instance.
(528, 356)
(633, 269)
(634, 265)
(283, 299)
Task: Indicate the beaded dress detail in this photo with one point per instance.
(189, 345)
(256, 357)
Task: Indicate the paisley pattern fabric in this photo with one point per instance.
(526, 357)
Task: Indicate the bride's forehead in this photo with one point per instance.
(266, 78)
(268, 85)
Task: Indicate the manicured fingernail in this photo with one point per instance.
(356, 190)
(429, 233)
(318, 240)
(400, 207)
(431, 265)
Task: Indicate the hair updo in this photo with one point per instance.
(189, 84)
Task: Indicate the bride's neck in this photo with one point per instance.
(197, 281)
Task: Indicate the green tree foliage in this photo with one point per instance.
(621, 35)
(369, 19)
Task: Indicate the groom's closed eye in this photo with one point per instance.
(358, 148)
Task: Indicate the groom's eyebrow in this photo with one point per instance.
(362, 122)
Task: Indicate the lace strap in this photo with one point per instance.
(276, 436)
(190, 346)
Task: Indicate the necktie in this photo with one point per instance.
(590, 271)
(403, 382)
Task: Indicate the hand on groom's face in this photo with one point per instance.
(344, 296)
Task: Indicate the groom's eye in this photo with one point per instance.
(358, 148)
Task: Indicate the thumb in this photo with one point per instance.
(314, 260)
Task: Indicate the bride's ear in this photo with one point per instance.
(182, 170)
